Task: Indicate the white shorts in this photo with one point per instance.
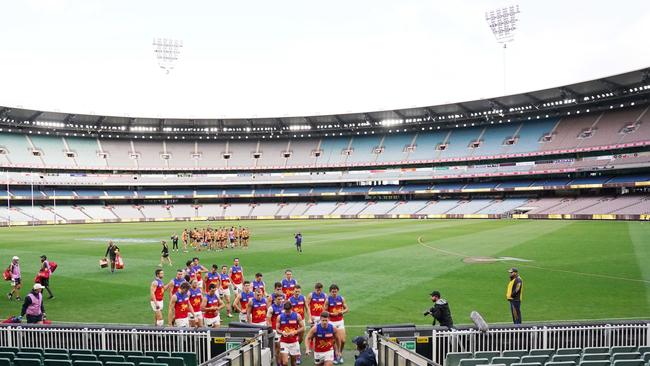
(338, 324)
(243, 317)
(212, 321)
(197, 315)
(183, 322)
(315, 320)
(320, 357)
(224, 292)
(293, 349)
(238, 288)
(200, 283)
(155, 304)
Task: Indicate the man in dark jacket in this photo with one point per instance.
(513, 294)
(440, 311)
(366, 356)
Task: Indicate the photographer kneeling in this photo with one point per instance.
(440, 311)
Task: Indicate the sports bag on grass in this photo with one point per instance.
(119, 262)
(6, 275)
(103, 263)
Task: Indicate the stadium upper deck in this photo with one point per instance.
(600, 115)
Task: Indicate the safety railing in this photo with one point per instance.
(248, 354)
(108, 338)
(390, 353)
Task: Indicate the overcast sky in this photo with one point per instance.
(259, 58)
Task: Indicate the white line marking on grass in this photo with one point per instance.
(538, 267)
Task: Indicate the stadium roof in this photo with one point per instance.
(630, 87)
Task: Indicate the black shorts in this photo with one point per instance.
(45, 282)
(34, 318)
(15, 281)
(165, 255)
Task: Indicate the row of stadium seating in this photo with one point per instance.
(590, 356)
(623, 205)
(322, 190)
(61, 357)
(535, 136)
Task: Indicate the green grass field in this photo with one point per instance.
(385, 268)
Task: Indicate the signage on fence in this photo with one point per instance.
(232, 345)
(409, 345)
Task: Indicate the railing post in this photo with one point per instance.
(434, 345)
(545, 337)
(208, 345)
(103, 338)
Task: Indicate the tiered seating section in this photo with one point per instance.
(583, 207)
(590, 356)
(596, 131)
(11, 356)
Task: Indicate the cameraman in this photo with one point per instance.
(440, 311)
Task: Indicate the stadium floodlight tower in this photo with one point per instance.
(167, 51)
(503, 23)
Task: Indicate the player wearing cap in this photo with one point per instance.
(236, 275)
(289, 324)
(256, 309)
(325, 341)
(157, 293)
(366, 355)
(316, 301)
(210, 307)
(33, 306)
(513, 294)
(440, 311)
(14, 270)
(336, 307)
(180, 308)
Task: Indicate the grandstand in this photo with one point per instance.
(482, 159)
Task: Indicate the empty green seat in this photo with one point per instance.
(453, 358)
(105, 352)
(595, 363)
(13, 350)
(622, 349)
(30, 355)
(541, 352)
(5, 362)
(527, 364)
(126, 354)
(87, 363)
(83, 357)
(8, 355)
(55, 350)
(190, 358)
(568, 351)
(463, 362)
(562, 363)
(595, 350)
(140, 359)
(638, 362)
(156, 354)
(566, 358)
(643, 349)
(514, 353)
(507, 361)
(645, 356)
(482, 354)
(152, 364)
(27, 362)
(626, 356)
(595, 357)
(177, 361)
(56, 356)
(81, 351)
(32, 350)
(49, 362)
(540, 359)
(111, 358)
(119, 364)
